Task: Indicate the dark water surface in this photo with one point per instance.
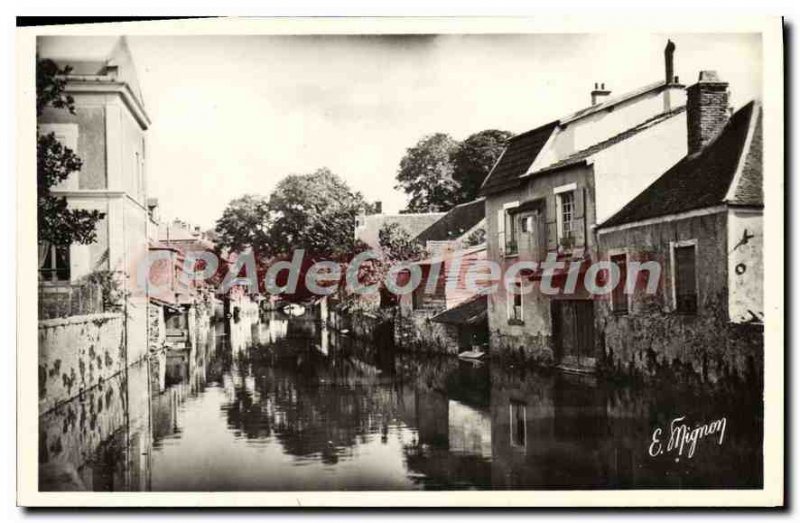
(285, 405)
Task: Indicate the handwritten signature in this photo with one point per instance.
(681, 437)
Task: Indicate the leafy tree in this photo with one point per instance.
(474, 159)
(56, 223)
(426, 174)
(397, 244)
(315, 212)
(245, 223)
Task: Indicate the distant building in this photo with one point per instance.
(108, 133)
(369, 225)
(547, 191)
(443, 314)
(702, 223)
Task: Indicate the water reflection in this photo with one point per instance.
(281, 404)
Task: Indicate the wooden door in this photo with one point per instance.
(573, 330)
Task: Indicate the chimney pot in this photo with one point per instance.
(599, 93)
(707, 109)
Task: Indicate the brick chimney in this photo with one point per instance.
(599, 94)
(706, 109)
(378, 207)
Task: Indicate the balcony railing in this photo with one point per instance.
(60, 300)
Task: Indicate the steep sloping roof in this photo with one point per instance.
(704, 179)
(469, 312)
(580, 156)
(458, 221)
(520, 153)
(749, 189)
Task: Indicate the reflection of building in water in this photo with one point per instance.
(270, 329)
(470, 430)
(101, 439)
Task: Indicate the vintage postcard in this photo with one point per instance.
(401, 262)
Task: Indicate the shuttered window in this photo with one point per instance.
(685, 279)
(619, 298)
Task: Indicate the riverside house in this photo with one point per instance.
(702, 223)
(107, 132)
(442, 314)
(545, 195)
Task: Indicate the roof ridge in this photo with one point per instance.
(612, 140)
(624, 97)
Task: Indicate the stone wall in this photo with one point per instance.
(76, 354)
(414, 330)
(653, 341)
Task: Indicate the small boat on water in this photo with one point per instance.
(474, 354)
(294, 309)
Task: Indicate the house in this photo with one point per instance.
(702, 223)
(108, 133)
(368, 226)
(442, 313)
(545, 194)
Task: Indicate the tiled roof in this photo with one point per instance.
(749, 190)
(520, 153)
(413, 224)
(704, 179)
(458, 221)
(582, 155)
(469, 312)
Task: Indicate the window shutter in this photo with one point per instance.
(551, 225)
(501, 231)
(579, 220)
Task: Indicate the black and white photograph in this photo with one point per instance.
(310, 258)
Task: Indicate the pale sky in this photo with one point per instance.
(234, 114)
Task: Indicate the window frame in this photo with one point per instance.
(673, 246)
(505, 216)
(53, 271)
(565, 226)
(618, 253)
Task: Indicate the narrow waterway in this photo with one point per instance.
(281, 404)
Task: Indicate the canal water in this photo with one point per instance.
(280, 404)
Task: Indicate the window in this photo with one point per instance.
(566, 215)
(526, 224)
(619, 298)
(517, 423)
(511, 233)
(54, 263)
(506, 229)
(685, 279)
(515, 303)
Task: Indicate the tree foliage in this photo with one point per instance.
(426, 174)
(397, 244)
(315, 212)
(244, 224)
(439, 172)
(56, 223)
(474, 159)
